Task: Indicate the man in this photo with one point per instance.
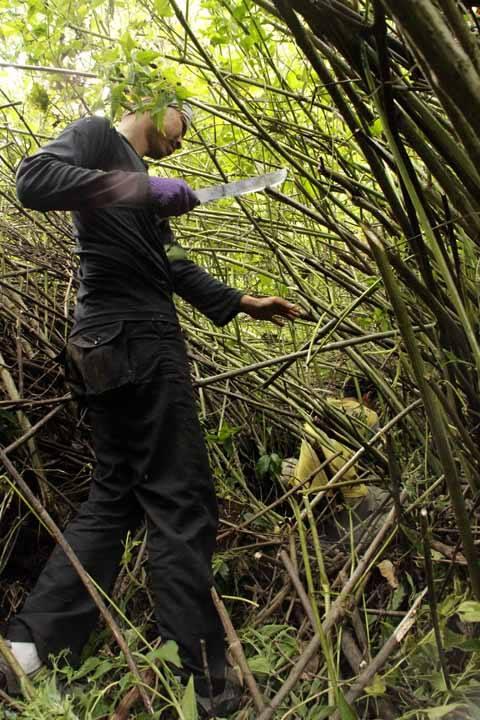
(126, 360)
(317, 447)
(359, 503)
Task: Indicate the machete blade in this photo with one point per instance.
(241, 187)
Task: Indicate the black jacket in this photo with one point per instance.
(125, 273)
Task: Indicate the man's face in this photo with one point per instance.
(164, 142)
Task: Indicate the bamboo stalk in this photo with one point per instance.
(43, 68)
(28, 432)
(433, 411)
(432, 596)
(432, 39)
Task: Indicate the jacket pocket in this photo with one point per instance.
(97, 360)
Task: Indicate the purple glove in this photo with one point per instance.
(172, 197)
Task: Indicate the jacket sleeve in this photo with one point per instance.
(219, 302)
(64, 174)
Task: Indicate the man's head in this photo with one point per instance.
(142, 131)
(366, 387)
(164, 141)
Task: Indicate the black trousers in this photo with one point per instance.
(151, 463)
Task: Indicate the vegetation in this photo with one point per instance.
(374, 107)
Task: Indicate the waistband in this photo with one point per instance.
(93, 321)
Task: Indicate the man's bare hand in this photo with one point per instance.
(275, 309)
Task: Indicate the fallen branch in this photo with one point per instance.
(236, 649)
(122, 711)
(6, 698)
(32, 431)
(297, 584)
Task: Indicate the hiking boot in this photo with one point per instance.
(223, 704)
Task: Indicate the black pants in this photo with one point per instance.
(152, 464)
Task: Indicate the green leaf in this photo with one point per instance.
(117, 96)
(469, 611)
(263, 466)
(376, 128)
(345, 710)
(182, 92)
(162, 8)
(104, 667)
(127, 43)
(442, 710)
(472, 645)
(39, 97)
(320, 713)
(167, 652)
(269, 465)
(448, 606)
(452, 639)
(260, 665)
(189, 703)
(146, 56)
(294, 80)
(108, 56)
(90, 664)
(126, 681)
(377, 687)
(397, 597)
(10, 28)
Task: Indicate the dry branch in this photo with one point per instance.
(235, 647)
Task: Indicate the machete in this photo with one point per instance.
(241, 187)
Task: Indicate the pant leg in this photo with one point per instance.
(175, 488)
(150, 454)
(59, 613)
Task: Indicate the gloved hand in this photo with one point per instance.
(172, 197)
